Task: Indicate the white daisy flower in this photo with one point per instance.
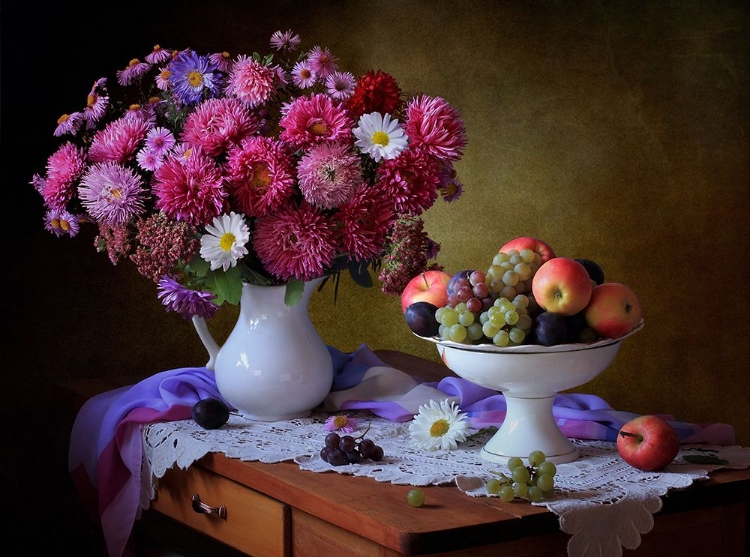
(379, 136)
(224, 243)
(439, 426)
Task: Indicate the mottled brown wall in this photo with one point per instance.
(615, 131)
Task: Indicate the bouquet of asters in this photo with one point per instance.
(210, 170)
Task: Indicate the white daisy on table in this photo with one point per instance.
(439, 425)
(224, 243)
(379, 136)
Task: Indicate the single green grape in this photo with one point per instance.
(507, 494)
(521, 475)
(514, 462)
(536, 458)
(494, 486)
(535, 494)
(520, 489)
(547, 468)
(545, 482)
(415, 497)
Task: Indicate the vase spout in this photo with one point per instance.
(208, 341)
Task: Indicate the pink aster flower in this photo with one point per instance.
(133, 72)
(217, 125)
(295, 242)
(60, 222)
(112, 193)
(158, 55)
(340, 422)
(435, 126)
(250, 81)
(160, 141)
(119, 140)
(64, 167)
(302, 75)
(261, 175)
(184, 301)
(68, 124)
(340, 85)
(190, 190)
(322, 62)
(286, 40)
(315, 119)
(329, 174)
(148, 159)
(364, 222)
(410, 181)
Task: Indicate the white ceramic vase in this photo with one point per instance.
(274, 365)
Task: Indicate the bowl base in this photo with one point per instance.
(503, 459)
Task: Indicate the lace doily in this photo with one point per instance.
(592, 493)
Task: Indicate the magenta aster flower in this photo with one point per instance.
(286, 40)
(340, 422)
(436, 127)
(364, 222)
(315, 119)
(184, 301)
(410, 181)
(112, 193)
(250, 81)
(261, 175)
(158, 55)
(217, 125)
(295, 242)
(60, 222)
(329, 174)
(133, 72)
(119, 140)
(322, 62)
(190, 190)
(302, 75)
(64, 167)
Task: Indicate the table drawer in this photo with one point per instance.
(252, 522)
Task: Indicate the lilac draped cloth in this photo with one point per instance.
(106, 452)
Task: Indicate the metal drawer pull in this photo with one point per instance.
(201, 508)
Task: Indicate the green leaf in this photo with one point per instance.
(704, 459)
(293, 292)
(359, 273)
(227, 285)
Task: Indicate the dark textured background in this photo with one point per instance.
(616, 131)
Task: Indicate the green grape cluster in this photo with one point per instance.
(532, 482)
(494, 306)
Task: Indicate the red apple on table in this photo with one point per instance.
(544, 250)
(648, 443)
(430, 286)
(614, 310)
(562, 285)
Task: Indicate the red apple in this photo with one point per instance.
(613, 311)
(430, 286)
(648, 443)
(544, 250)
(562, 285)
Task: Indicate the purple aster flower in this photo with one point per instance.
(340, 422)
(133, 72)
(160, 141)
(60, 222)
(302, 75)
(322, 62)
(285, 40)
(112, 193)
(184, 301)
(340, 85)
(158, 55)
(194, 76)
(148, 159)
(222, 60)
(68, 124)
(97, 102)
(162, 79)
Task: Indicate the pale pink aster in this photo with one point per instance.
(68, 124)
(133, 72)
(295, 242)
(160, 141)
(250, 81)
(64, 167)
(115, 240)
(163, 246)
(340, 422)
(436, 127)
(191, 189)
(218, 124)
(223, 60)
(158, 55)
(322, 62)
(303, 75)
(315, 119)
(184, 301)
(112, 193)
(285, 40)
(119, 140)
(410, 181)
(260, 175)
(364, 222)
(340, 85)
(148, 159)
(61, 222)
(329, 174)
(162, 79)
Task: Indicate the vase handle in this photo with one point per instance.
(208, 341)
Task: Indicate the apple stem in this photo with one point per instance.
(628, 434)
(424, 278)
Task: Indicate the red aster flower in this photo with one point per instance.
(364, 221)
(376, 91)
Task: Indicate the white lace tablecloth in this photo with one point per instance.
(602, 502)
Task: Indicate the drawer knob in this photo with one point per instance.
(201, 508)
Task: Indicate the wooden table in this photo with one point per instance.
(280, 510)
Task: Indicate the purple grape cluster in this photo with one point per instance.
(346, 449)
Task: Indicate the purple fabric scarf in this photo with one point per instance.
(106, 453)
